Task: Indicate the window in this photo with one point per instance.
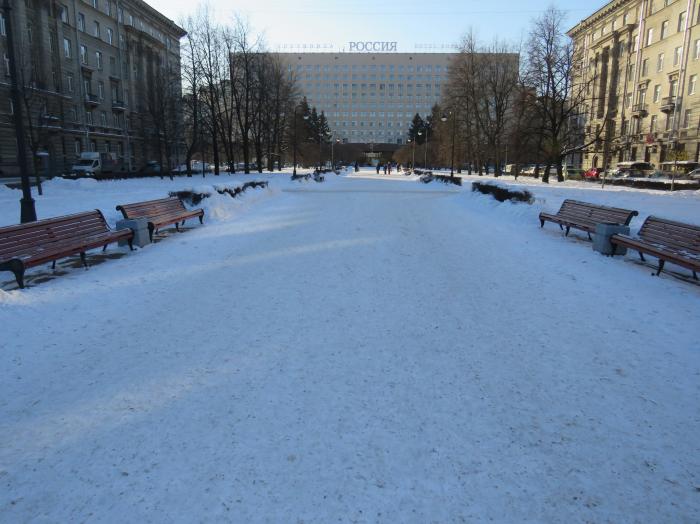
(81, 22)
(681, 22)
(103, 119)
(95, 4)
(677, 55)
(652, 124)
(664, 29)
(660, 63)
(63, 13)
(98, 59)
(77, 147)
(692, 84)
(7, 64)
(96, 30)
(110, 36)
(83, 55)
(101, 90)
(650, 36)
(69, 82)
(657, 93)
(87, 87)
(688, 118)
(88, 117)
(67, 49)
(673, 88)
(645, 67)
(3, 30)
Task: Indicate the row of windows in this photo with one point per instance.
(665, 27)
(372, 68)
(384, 78)
(672, 91)
(634, 126)
(381, 87)
(123, 17)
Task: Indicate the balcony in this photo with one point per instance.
(640, 110)
(92, 100)
(668, 104)
(118, 105)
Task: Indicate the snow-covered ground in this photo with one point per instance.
(363, 350)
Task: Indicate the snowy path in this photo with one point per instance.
(357, 351)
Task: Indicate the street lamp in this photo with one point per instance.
(420, 133)
(452, 155)
(425, 159)
(306, 117)
(333, 142)
(413, 154)
(27, 209)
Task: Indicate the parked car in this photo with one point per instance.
(151, 168)
(197, 166)
(694, 174)
(633, 170)
(593, 173)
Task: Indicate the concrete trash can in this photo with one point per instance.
(140, 228)
(601, 238)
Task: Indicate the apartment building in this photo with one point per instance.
(370, 97)
(87, 69)
(640, 60)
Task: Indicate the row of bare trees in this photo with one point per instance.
(238, 99)
(511, 104)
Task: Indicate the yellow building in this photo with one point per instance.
(641, 59)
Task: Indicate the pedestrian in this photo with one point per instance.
(379, 166)
(357, 166)
(385, 169)
(390, 168)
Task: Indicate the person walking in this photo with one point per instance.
(379, 166)
(390, 166)
(385, 169)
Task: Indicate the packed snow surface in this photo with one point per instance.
(362, 350)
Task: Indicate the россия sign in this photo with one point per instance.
(373, 47)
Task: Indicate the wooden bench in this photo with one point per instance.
(28, 245)
(666, 240)
(585, 216)
(160, 213)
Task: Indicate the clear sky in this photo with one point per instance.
(408, 22)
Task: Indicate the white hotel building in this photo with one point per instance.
(370, 97)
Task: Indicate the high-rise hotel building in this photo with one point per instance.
(370, 97)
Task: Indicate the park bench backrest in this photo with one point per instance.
(585, 212)
(680, 237)
(19, 239)
(152, 208)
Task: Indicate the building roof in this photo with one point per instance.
(179, 31)
(601, 13)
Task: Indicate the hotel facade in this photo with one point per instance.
(370, 97)
(87, 68)
(641, 60)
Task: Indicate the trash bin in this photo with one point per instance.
(601, 238)
(140, 228)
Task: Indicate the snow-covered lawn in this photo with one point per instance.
(361, 350)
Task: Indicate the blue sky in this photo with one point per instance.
(407, 22)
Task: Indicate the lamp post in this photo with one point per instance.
(452, 154)
(27, 209)
(279, 142)
(294, 139)
(333, 142)
(427, 135)
(413, 154)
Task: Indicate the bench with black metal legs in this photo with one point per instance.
(161, 213)
(668, 241)
(27, 245)
(574, 214)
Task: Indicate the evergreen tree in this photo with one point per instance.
(417, 126)
(324, 129)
